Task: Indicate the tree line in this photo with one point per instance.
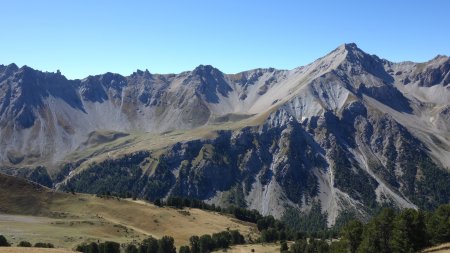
(409, 230)
(198, 244)
(272, 230)
(390, 231)
(5, 243)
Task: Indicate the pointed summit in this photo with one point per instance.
(346, 47)
(350, 48)
(344, 55)
(352, 51)
(350, 56)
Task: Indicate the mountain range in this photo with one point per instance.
(349, 133)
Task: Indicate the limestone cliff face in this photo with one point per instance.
(352, 130)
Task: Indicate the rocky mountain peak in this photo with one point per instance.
(355, 55)
(209, 83)
(441, 56)
(349, 47)
(355, 62)
(6, 71)
(12, 67)
(203, 70)
(140, 73)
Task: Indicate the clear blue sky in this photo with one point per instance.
(93, 37)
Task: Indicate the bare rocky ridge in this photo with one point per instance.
(350, 129)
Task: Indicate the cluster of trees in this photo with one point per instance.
(208, 243)
(357, 183)
(272, 230)
(107, 179)
(104, 247)
(27, 244)
(298, 226)
(245, 215)
(390, 231)
(198, 244)
(5, 243)
(119, 178)
(37, 245)
(313, 221)
(406, 231)
(151, 245)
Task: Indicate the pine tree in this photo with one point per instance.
(371, 242)
(3, 242)
(194, 241)
(184, 249)
(206, 244)
(385, 222)
(149, 245)
(166, 245)
(131, 249)
(352, 234)
(409, 232)
(93, 248)
(24, 244)
(439, 225)
(377, 234)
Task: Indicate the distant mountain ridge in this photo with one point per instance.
(350, 130)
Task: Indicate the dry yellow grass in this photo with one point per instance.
(443, 248)
(37, 214)
(32, 250)
(258, 248)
